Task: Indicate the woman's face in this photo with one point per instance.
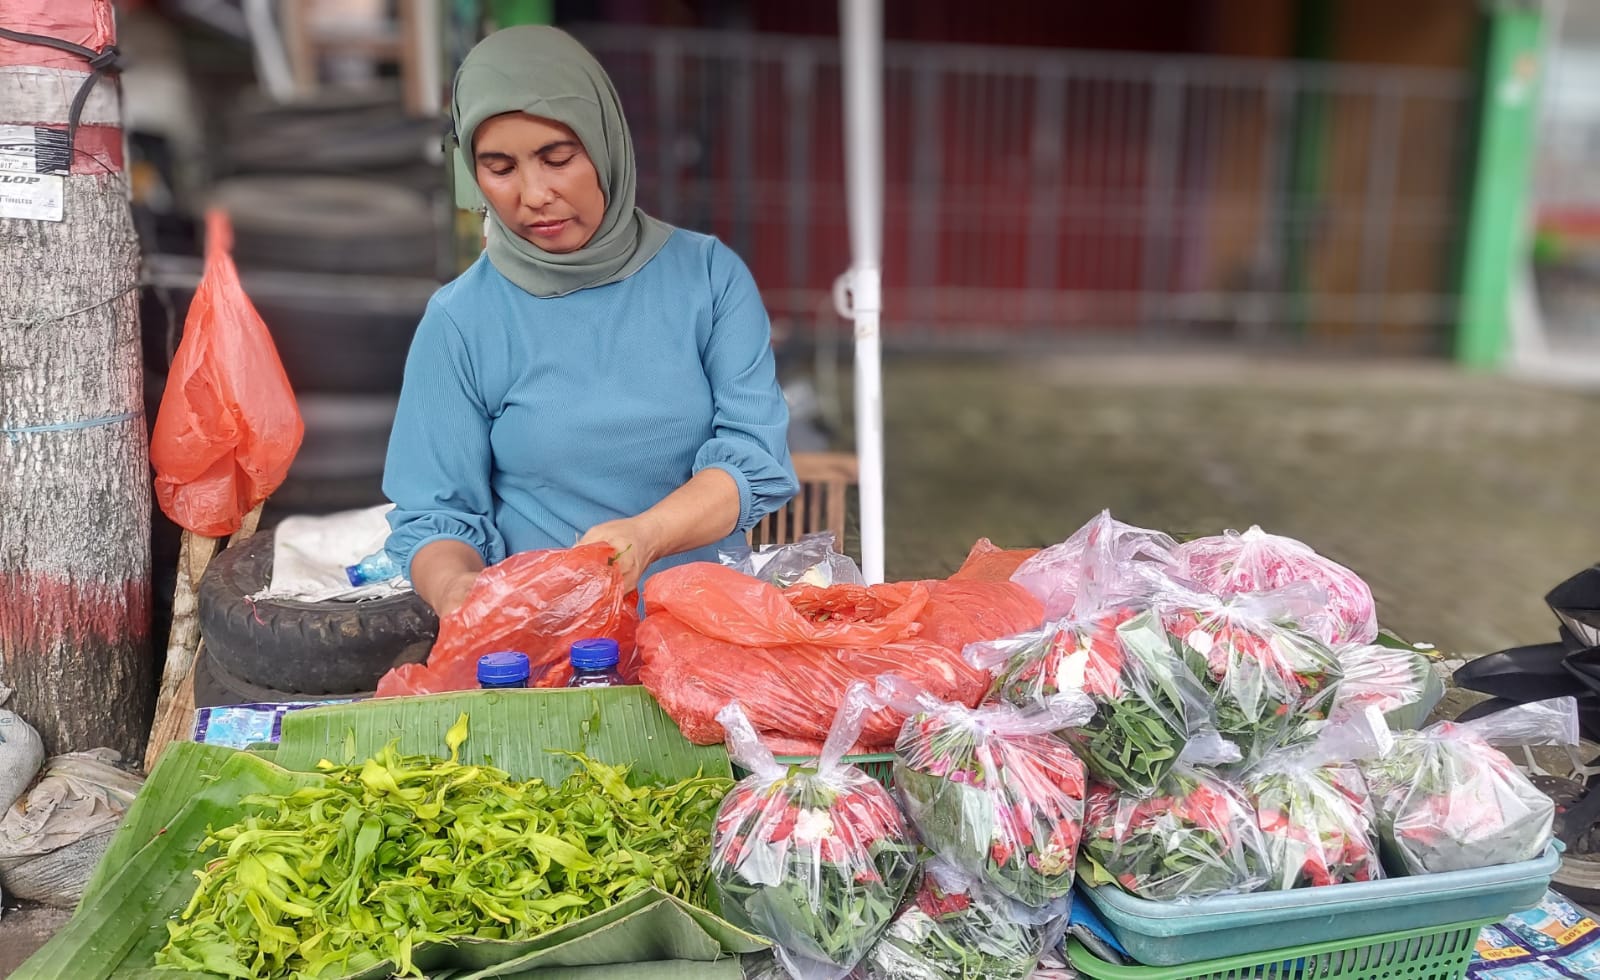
(540, 182)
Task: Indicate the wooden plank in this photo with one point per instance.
(175, 704)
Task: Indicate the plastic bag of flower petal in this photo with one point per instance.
(815, 858)
(1270, 683)
(1103, 557)
(991, 789)
(1400, 683)
(1255, 561)
(1313, 807)
(1447, 799)
(1197, 836)
(955, 928)
(1149, 706)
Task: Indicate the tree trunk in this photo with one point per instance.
(74, 463)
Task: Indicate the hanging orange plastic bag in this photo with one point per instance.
(228, 426)
(537, 603)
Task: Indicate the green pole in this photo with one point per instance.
(1313, 41)
(508, 13)
(1496, 231)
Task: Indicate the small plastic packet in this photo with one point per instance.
(1101, 561)
(1197, 836)
(1255, 561)
(813, 560)
(1270, 684)
(955, 928)
(1314, 809)
(1447, 799)
(1394, 680)
(1149, 706)
(991, 789)
(815, 858)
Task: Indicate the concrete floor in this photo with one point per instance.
(1460, 498)
(24, 930)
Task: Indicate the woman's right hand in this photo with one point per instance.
(455, 593)
(444, 572)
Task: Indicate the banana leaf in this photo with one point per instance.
(513, 730)
(147, 875)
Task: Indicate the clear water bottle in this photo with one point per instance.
(376, 567)
(594, 664)
(503, 670)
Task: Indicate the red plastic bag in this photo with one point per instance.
(537, 603)
(228, 427)
(712, 635)
(988, 562)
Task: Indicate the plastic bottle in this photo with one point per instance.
(503, 670)
(594, 664)
(376, 567)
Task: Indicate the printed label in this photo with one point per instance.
(36, 197)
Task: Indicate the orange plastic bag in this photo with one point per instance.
(228, 426)
(988, 562)
(537, 603)
(711, 635)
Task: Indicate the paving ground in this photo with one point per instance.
(1461, 499)
(24, 930)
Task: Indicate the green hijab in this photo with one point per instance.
(544, 72)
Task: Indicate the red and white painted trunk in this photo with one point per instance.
(74, 463)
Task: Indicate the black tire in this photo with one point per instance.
(330, 225)
(364, 134)
(347, 436)
(333, 333)
(214, 687)
(304, 647)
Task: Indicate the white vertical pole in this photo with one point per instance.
(861, 37)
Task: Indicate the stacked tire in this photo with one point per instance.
(274, 650)
(338, 217)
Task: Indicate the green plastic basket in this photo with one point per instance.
(878, 765)
(1438, 953)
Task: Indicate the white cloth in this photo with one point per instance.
(310, 555)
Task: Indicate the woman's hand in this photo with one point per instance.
(635, 541)
(444, 572)
(454, 591)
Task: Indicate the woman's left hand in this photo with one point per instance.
(635, 543)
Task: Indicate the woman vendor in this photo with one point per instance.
(595, 376)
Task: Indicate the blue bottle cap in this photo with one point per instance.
(502, 668)
(594, 654)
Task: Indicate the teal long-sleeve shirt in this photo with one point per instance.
(524, 421)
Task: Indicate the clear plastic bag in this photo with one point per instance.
(1149, 707)
(1103, 561)
(1314, 809)
(992, 790)
(1255, 561)
(537, 603)
(953, 928)
(1269, 683)
(812, 560)
(1448, 800)
(815, 858)
(1386, 678)
(1197, 836)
